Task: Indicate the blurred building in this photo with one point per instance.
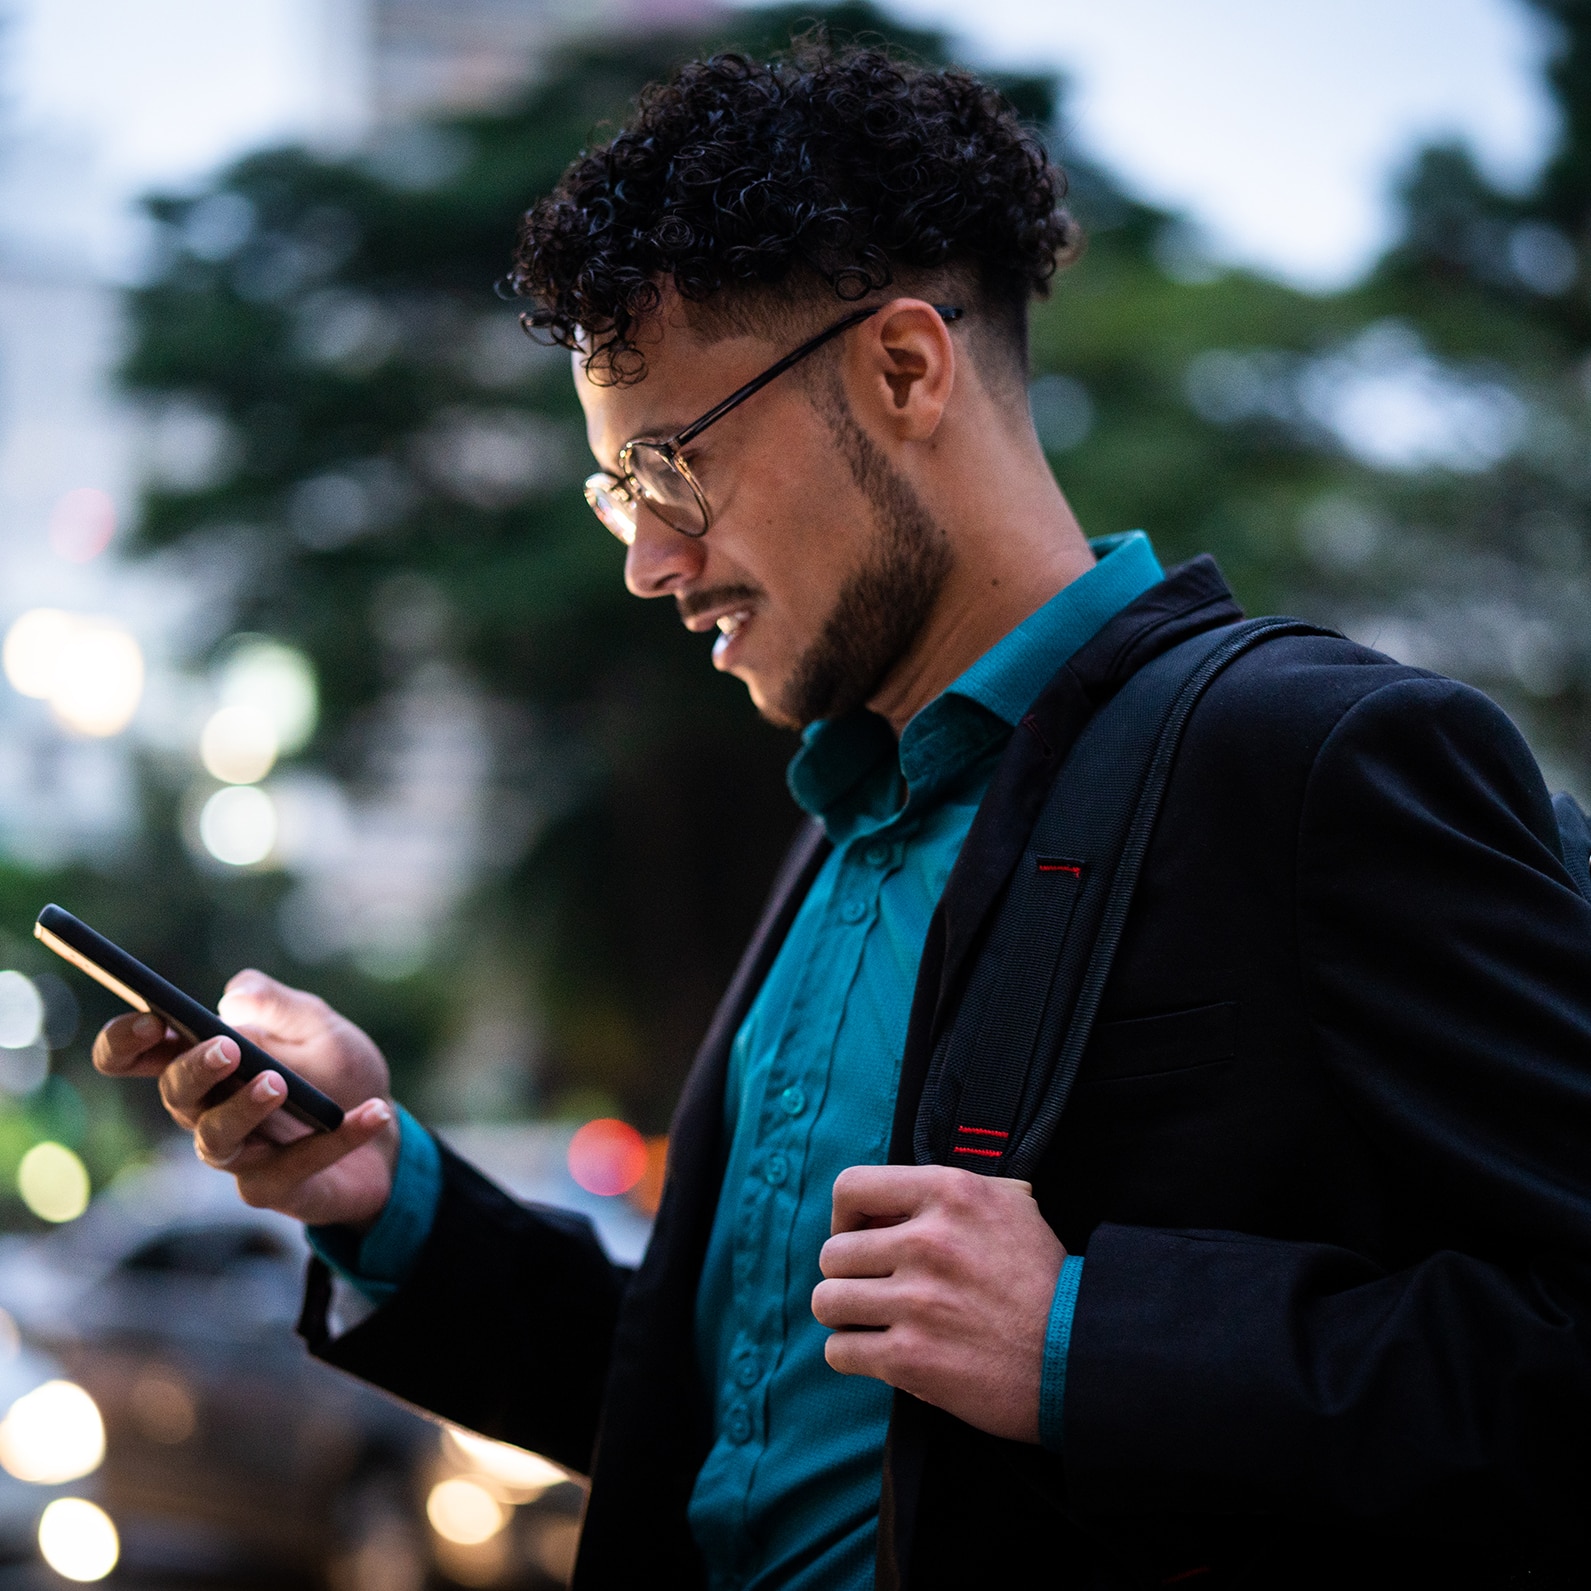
(431, 55)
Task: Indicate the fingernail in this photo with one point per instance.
(217, 1059)
(268, 1086)
(148, 1027)
(378, 1113)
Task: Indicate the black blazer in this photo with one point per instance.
(1328, 1158)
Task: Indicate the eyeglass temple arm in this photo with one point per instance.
(947, 312)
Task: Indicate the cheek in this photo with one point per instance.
(797, 523)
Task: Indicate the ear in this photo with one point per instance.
(903, 369)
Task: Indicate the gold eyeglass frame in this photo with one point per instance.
(628, 491)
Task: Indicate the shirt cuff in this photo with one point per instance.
(1057, 1342)
(378, 1264)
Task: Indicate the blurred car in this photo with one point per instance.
(228, 1450)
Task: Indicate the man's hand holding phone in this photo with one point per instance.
(323, 1178)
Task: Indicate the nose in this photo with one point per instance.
(660, 558)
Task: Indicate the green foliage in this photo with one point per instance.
(399, 495)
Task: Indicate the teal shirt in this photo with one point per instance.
(788, 1496)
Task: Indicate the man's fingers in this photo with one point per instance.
(881, 1195)
(134, 1046)
(220, 1132)
(873, 1251)
(271, 1180)
(863, 1353)
(871, 1196)
(843, 1305)
(272, 1009)
(186, 1081)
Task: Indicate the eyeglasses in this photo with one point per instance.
(657, 474)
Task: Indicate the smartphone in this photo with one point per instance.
(130, 980)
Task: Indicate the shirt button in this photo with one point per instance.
(737, 1424)
(878, 853)
(747, 1368)
(776, 1169)
(792, 1101)
(853, 911)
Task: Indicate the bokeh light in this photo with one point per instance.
(463, 1511)
(82, 524)
(53, 1182)
(78, 1540)
(52, 1434)
(90, 671)
(238, 745)
(514, 1475)
(238, 825)
(162, 1407)
(276, 681)
(607, 1156)
(33, 647)
(23, 1072)
(21, 1011)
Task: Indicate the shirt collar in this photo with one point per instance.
(851, 767)
(1008, 677)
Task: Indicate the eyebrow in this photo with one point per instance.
(652, 433)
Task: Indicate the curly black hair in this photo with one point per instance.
(858, 170)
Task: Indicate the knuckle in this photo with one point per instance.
(961, 1190)
(914, 1301)
(896, 1355)
(930, 1245)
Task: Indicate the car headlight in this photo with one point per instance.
(52, 1434)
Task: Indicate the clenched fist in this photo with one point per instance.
(940, 1282)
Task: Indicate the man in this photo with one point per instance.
(1300, 1292)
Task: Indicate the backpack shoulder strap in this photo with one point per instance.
(1000, 1077)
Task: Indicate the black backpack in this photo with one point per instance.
(1001, 1074)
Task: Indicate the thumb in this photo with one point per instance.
(253, 1000)
(274, 1181)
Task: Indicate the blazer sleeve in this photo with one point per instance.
(504, 1325)
(1446, 1387)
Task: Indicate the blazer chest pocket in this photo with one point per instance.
(1161, 1046)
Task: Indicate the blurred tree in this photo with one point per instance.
(387, 477)
(390, 481)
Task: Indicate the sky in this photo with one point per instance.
(1276, 124)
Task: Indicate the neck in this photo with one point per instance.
(1009, 558)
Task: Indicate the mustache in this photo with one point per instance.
(695, 602)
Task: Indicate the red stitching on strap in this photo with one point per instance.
(1061, 867)
(989, 1154)
(985, 1132)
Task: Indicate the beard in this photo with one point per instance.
(883, 605)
